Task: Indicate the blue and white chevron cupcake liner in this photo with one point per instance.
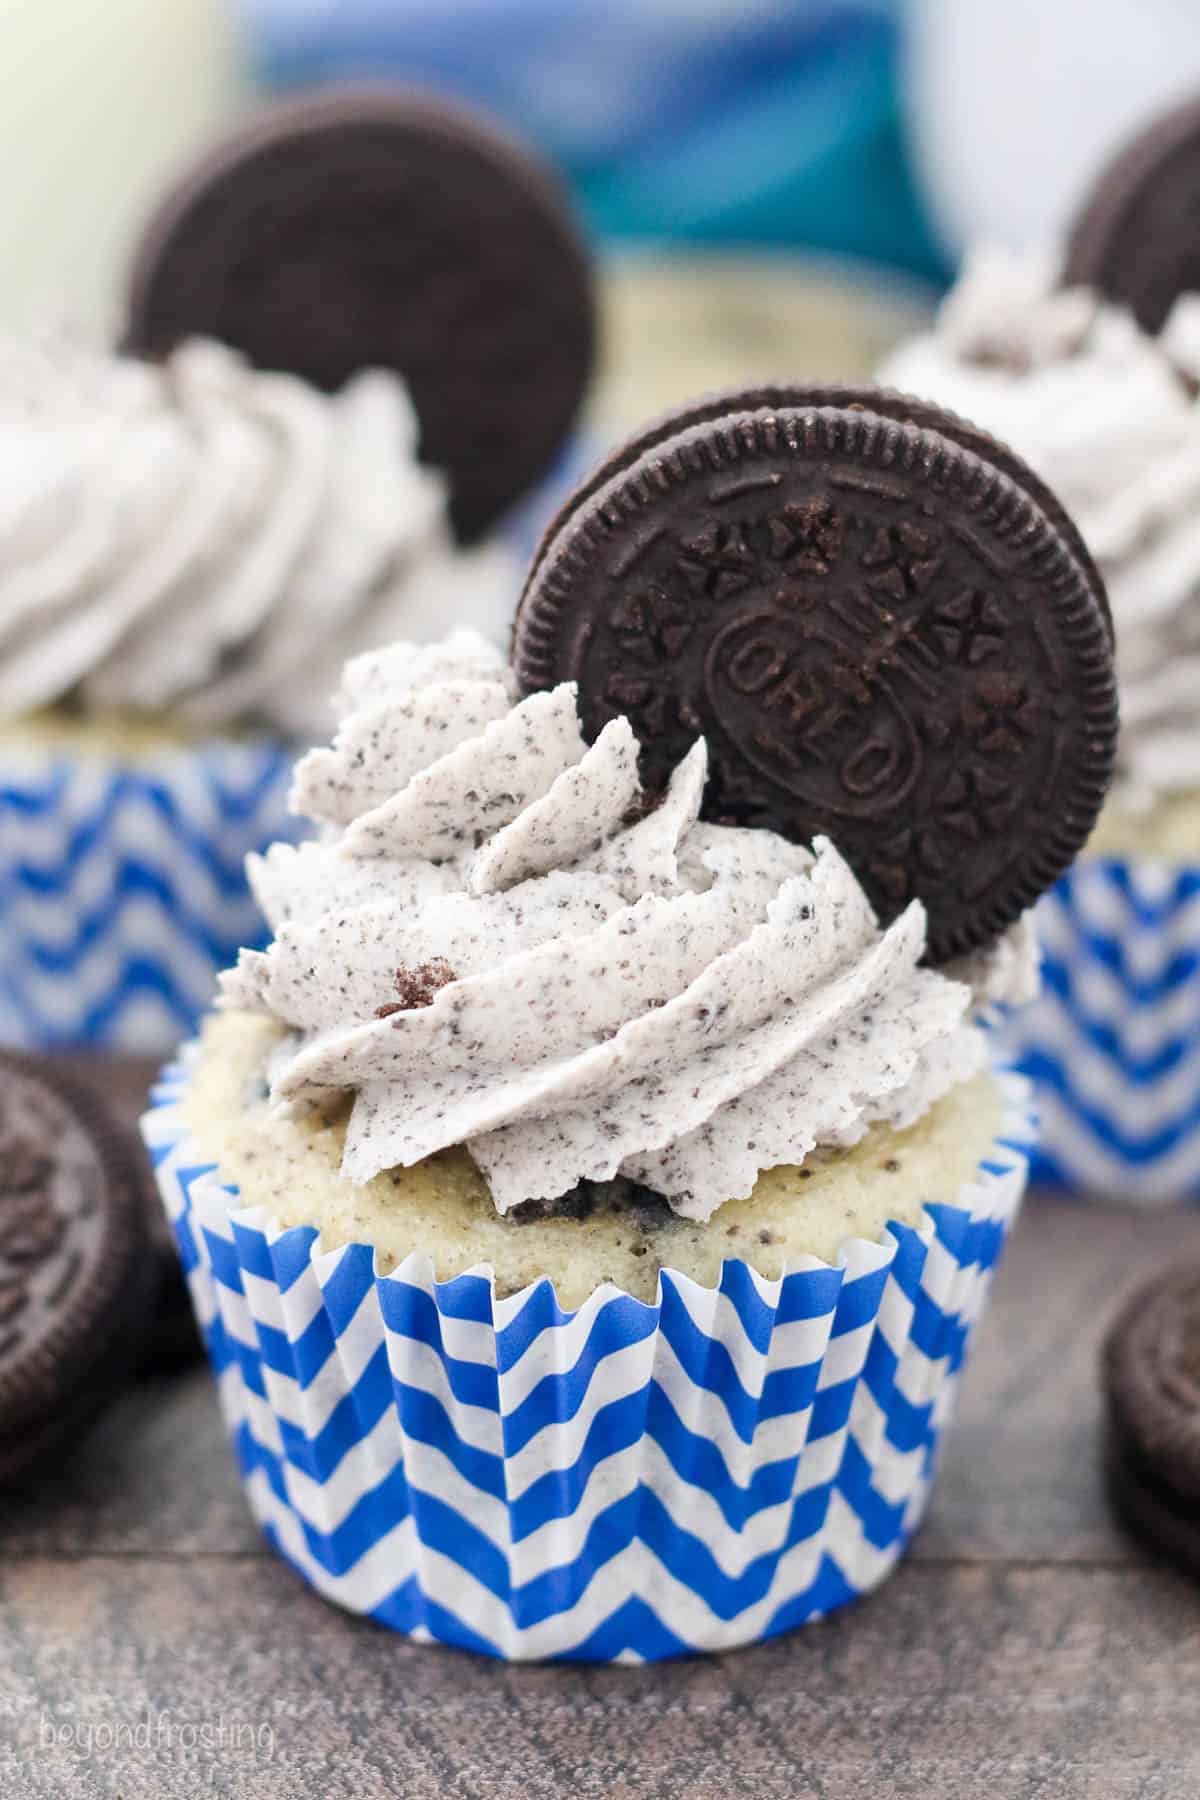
(1112, 1044)
(621, 1483)
(123, 891)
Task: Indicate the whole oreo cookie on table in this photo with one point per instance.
(1151, 1372)
(76, 1277)
(1137, 236)
(875, 616)
(378, 226)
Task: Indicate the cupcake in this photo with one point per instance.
(195, 537)
(588, 1195)
(1108, 415)
(187, 553)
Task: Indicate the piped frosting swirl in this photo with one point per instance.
(207, 539)
(494, 943)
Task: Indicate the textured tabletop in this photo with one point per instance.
(150, 1647)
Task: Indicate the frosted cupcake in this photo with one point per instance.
(1108, 416)
(187, 554)
(367, 325)
(588, 1201)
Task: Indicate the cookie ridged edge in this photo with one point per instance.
(108, 1339)
(1163, 1428)
(888, 403)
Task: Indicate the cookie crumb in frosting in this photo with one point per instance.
(417, 987)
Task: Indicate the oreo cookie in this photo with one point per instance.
(883, 624)
(1151, 1375)
(380, 227)
(77, 1278)
(1137, 237)
(887, 403)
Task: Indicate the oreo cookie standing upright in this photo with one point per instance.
(1136, 238)
(886, 402)
(383, 227)
(77, 1275)
(882, 625)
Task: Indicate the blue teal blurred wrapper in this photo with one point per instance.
(702, 120)
(621, 1483)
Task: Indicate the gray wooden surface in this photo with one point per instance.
(150, 1647)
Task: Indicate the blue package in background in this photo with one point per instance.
(771, 122)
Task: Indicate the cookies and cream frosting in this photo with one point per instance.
(1110, 419)
(209, 540)
(493, 943)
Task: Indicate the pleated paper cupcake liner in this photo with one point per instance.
(622, 1483)
(123, 891)
(1113, 1042)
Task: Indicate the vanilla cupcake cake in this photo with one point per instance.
(195, 538)
(588, 1194)
(1108, 415)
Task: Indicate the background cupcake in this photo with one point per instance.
(194, 538)
(1107, 413)
(587, 1201)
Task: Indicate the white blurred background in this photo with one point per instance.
(1013, 104)
(100, 99)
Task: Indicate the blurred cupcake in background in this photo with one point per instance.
(1052, 354)
(683, 322)
(305, 448)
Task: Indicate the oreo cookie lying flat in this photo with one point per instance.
(1151, 1372)
(76, 1276)
(878, 619)
(378, 227)
(1137, 237)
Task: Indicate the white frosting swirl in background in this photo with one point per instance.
(682, 1003)
(1107, 416)
(211, 541)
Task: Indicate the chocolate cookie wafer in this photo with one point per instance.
(1151, 1374)
(382, 227)
(875, 622)
(886, 402)
(76, 1275)
(1137, 236)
